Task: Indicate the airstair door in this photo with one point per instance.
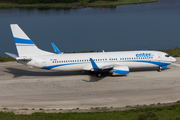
(44, 62)
(159, 57)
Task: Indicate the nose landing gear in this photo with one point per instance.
(159, 69)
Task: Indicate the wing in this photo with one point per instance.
(117, 69)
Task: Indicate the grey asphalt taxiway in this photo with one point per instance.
(24, 87)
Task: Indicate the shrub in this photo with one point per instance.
(148, 115)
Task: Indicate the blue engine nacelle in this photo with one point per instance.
(120, 70)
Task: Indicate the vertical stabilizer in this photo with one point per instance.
(24, 45)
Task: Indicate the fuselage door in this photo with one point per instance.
(44, 62)
(159, 57)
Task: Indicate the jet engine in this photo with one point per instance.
(120, 70)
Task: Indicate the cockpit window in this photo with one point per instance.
(167, 55)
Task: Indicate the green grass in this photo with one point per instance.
(5, 59)
(151, 113)
(118, 2)
(84, 3)
(40, 109)
(175, 52)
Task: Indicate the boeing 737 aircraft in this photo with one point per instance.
(116, 62)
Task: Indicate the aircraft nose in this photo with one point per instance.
(173, 59)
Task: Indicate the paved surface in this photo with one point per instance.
(23, 87)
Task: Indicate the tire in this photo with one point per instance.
(159, 69)
(98, 74)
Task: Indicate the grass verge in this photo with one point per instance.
(175, 52)
(5, 59)
(81, 3)
(148, 113)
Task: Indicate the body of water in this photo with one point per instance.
(127, 27)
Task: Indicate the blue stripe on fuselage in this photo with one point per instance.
(22, 41)
(150, 62)
(54, 66)
(154, 62)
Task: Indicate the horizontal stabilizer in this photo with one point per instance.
(17, 58)
(23, 58)
(11, 55)
(55, 48)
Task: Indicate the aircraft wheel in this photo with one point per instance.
(98, 74)
(159, 69)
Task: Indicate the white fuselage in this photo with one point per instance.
(81, 61)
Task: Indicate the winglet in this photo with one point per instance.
(55, 48)
(94, 64)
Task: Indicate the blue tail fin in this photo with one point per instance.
(24, 45)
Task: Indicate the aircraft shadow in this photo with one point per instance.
(93, 78)
(145, 69)
(21, 72)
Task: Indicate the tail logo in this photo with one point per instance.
(22, 41)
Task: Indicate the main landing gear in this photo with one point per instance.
(98, 74)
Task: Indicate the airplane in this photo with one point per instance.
(118, 63)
